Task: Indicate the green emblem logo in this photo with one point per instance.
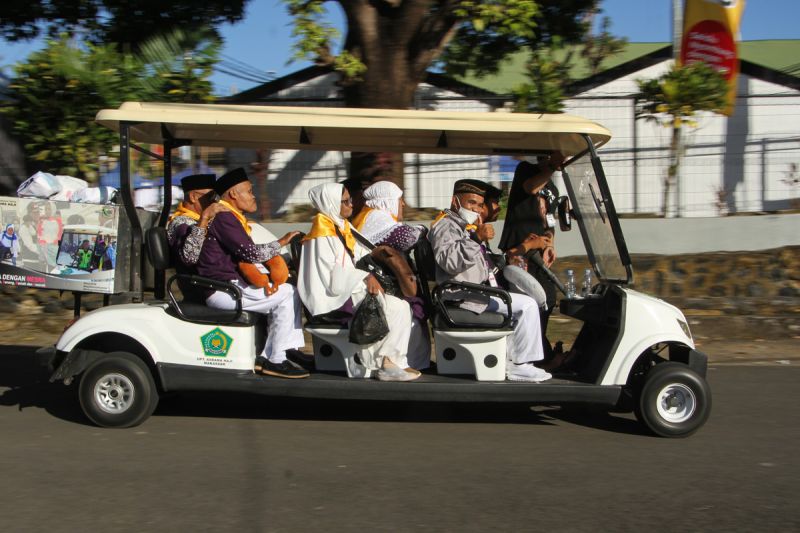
(216, 343)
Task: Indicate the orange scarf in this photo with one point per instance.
(184, 211)
(442, 214)
(322, 226)
(239, 216)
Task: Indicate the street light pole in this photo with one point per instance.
(677, 34)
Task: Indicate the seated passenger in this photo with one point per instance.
(187, 227)
(227, 244)
(329, 281)
(460, 258)
(380, 221)
(516, 278)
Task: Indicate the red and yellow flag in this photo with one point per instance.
(710, 33)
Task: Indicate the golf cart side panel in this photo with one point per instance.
(648, 321)
(165, 337)
(429, 388)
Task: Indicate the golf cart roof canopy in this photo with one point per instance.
(347, 129)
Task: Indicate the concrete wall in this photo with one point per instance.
(668, 236)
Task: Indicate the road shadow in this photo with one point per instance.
(593, 416)
(252, 406)
(27, 386)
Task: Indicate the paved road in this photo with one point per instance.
(235, 462)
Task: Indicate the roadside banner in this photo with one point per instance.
(50, 244)
(710, 34)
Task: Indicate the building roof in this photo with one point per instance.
(266, 93)
(778, 60)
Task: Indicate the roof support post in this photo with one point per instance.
(126, 189)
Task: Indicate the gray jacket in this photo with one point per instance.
(459, 258)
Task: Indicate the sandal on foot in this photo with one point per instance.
(394, 373)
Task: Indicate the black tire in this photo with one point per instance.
(674, 400)
(118, 391)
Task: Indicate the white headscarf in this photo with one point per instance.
(384, 195)
(327, 199)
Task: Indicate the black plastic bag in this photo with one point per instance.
(369, 322)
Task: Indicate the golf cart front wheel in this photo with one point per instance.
(118, 391)
(674, 400)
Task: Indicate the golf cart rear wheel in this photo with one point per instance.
(118, 391)
(674, 400)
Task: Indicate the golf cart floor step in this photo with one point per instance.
(428, 388)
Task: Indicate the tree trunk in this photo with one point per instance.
(397, 41)
(673, 172)
(387, 84)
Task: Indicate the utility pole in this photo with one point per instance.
(677, 35)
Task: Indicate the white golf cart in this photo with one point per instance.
(636, 351)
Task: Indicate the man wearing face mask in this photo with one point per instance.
(455, 237)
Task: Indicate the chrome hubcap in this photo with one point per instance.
(114, 393)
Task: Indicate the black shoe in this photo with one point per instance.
(260, 362)
(299, 358)
(286, 369)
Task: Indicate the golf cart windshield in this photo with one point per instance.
(597, 218)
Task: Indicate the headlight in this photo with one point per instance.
(685, 327)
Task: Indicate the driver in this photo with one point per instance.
(459, 257)
(530, 227)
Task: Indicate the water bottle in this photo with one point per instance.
(570, 284)
(586, 290)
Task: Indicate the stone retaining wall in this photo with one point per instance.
(763, 274)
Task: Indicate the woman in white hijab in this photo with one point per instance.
(380, 221)
(329, 281)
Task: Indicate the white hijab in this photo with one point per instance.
(384, 198)
(384, 195)
(327, 199)
(327, 276)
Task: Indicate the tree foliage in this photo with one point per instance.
(56, 93)
(674, 100)
(480, 44)
(676, 97)
(548, 69)
(114, 21)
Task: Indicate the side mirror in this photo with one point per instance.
(564, 213)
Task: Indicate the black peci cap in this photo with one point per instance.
(198, 181)
(476, 187)
(228, 180)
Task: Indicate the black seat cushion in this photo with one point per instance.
(467, 319)
(334, 319)
(202, 314)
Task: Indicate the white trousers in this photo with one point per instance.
(525, 344)
(284, 327)
(395, 344)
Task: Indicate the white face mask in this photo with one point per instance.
(466, 214)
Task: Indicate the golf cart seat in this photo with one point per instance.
(465, 342)
(194, 310)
